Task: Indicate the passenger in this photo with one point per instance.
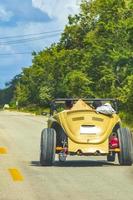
(106, 109)
(68, 104)
(96, 104)
(52, 108)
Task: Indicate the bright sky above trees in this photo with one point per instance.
(29, 17)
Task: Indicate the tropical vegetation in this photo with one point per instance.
(93, 58)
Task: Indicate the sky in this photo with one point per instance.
(37, 20)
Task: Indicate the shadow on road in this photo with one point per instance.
(78, 163)
(35, 163)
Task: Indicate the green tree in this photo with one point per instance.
(93, 58)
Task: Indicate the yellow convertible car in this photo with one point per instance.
(83, 129)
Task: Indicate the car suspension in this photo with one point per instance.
(64, 152)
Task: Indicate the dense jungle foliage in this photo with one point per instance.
(94, 58)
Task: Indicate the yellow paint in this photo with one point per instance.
(3, 150)
(117, 150)
(83, 115)
(16, 175)
(59, 148)
(86, 116)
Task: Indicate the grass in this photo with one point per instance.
(31, 109)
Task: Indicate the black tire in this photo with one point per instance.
(125, 143)
(48, 146)
(132, 146)
(111, 157)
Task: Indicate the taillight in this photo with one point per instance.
(113, 142)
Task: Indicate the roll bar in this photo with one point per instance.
(63, 101)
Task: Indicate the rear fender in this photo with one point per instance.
(72, 127)
(60, 133)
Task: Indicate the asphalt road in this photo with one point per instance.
(79, 178)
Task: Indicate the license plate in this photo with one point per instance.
(89, 130)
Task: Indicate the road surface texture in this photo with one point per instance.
(79, 178)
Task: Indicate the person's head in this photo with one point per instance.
(96, 103)
(68, 104)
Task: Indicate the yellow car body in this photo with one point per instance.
(88, 131)
(82, 130)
